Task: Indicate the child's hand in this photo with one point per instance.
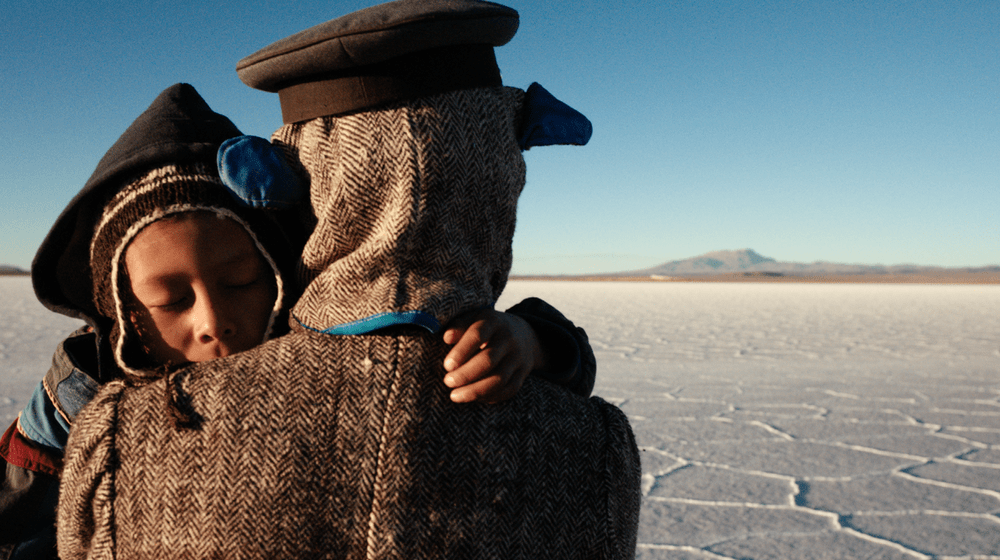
(494, 352)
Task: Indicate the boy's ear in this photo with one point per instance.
(258, 175)
(548, 121)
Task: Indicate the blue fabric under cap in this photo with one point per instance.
(548, 121)
(257, 174)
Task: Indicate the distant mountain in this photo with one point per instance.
(714, 262)
(749, 262)
(6, 269)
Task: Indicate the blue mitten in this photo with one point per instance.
(548, 121)
(257, 174)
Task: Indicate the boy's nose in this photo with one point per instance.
(214, 323)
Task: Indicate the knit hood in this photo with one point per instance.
(415, 205)
(164, 163)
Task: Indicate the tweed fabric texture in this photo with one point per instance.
(416, 206)
(320, 446)
(157, 194)
(313, 446)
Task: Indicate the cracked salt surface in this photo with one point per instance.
(806, 421)
(784, 421)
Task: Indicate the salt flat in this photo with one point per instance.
(803, 420)
(777, 421)
(28, 335)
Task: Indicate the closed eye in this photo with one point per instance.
(172, 305)
(244, 284)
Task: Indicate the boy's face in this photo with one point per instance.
(202, 289)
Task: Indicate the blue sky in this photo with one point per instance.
(845, 131)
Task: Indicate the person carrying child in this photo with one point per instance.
(181, 249)
(339, 439)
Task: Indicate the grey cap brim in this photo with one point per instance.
(376, 55)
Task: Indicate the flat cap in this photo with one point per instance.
(390, 52)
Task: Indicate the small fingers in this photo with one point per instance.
(500, 383)
(490, 390)
(483, 364)
(467, 342)
(492, 355)
(456, 327)
(481, 390)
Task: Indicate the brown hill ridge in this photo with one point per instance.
(8, 270)
(748, 265)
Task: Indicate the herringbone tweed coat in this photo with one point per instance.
(320, 446)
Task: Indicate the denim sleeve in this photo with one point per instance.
(71, 381)
(66, 389)
(41, 423)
